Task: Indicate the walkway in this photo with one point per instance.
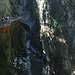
(6, 26)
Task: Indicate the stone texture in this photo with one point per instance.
(58, 41)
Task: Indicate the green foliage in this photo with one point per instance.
(19, 2)
(13, 8)
(11, 44)
(17, 43)
(5, 55)
(56, 11)
(35, 7)
(53, 13)
(60, 26)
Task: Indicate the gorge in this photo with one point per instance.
(43, 43)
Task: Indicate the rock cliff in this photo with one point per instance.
(52, 23)
(13, 54)
(57, 36)
(28, 10)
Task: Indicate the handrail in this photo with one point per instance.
(6, 27)
(11, 20)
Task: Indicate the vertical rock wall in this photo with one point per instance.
(57, 36)
(28, 10)
(13, 55)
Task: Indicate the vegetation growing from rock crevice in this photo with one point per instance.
(56, 39)
(12, 44)
(17, 37)
(6, 66)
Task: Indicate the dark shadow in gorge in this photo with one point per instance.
(35, 30)
(34, 37)
(26, 27)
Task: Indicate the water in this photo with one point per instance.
(37, 67)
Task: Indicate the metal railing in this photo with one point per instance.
(8, 22)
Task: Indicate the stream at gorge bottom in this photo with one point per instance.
(37, 62)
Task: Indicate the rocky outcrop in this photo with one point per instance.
(27, 10)
(57, 20)
(5, 55)
(21, 61)
(13, 54)
(57, 36)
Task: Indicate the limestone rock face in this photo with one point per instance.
(57, 33)
(70, 4)
(17, 35)
(21, 7)
(21, 61)
(28, 11)
(25, 9)
(58, 37)
(13, 54)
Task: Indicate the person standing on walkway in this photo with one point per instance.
(2, 20)
(9, 18)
